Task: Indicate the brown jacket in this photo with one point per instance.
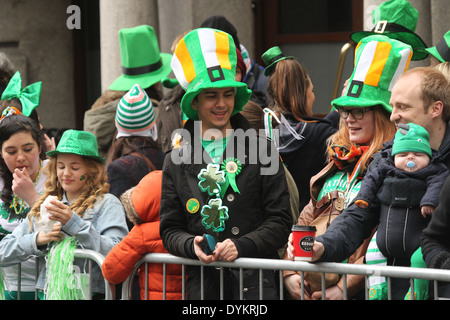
(355, 283)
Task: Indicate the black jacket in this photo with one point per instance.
(305, 157)
(355, 224)
(259, 216)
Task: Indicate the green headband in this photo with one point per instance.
(29, 96)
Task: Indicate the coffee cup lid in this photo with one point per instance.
(297, 227)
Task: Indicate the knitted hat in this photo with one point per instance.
(379, 61)
(271, 57)
(396, 19)
(441, 51)
(411, 138)
(82, 143)
(204, 59)
(135, 115)
(142, 62)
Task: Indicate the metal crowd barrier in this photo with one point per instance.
(92, 256)
(344, 269)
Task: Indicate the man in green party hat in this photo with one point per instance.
(221, 181)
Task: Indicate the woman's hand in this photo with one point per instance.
(53, 235)
(59, 211)
(318, 249)
(293, 283)
(23, 187)
(203, 257)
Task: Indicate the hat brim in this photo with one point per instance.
(360, 102)
(146, 80)
(268, 70)
(433, 51)
(54, 153)
(406, 37)
(241, 98)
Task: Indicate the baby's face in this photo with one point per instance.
(411, 161)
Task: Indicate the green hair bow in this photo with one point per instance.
(29, 96)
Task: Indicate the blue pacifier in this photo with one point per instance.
(411, 164)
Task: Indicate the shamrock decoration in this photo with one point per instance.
(214, 215)
(211, 178)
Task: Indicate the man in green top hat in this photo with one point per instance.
(143, 64)
(216, 183)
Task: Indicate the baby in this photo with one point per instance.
(405, 187)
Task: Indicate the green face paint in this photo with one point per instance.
(82, 177)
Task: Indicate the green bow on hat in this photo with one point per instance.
(396, 19)
(379, 61)
(29, 96)
(441, 51)
(271, 57)
(82, 143)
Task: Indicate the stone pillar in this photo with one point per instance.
(115, 15)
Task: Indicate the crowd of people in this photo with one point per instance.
(222, 165)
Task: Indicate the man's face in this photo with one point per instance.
(407, 104)
(214, 108)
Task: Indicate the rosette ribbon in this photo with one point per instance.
(232, 167)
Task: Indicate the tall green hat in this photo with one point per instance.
(206, 58)
(441, 51)
(411, 138)
(271, 57)
(396, 19)
(142, 62)
(82, 143)
(379, 62)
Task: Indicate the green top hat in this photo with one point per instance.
(82, 143)
(396, 19)
(411, 138)
(142, 63)
(441, 51)
(271, 57)
(206, 58)
(379, 61)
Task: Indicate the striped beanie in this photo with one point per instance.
(379, 62)
(206, 58)
(135, 115)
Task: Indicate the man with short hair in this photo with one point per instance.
(222, 193)
(420, 96)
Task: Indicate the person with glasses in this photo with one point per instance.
(364, 127)
(420, 96)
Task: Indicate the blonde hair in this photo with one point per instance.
(95, 187)
(384, 130)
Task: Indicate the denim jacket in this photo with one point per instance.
(100, 229)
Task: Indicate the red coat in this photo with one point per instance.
(142, 207)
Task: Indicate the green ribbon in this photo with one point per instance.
(232, 167)
(29, 96)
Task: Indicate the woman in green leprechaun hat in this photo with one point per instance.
(75, 210)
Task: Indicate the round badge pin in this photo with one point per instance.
(231, 167)
(192, 205)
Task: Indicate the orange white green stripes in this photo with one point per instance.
(204, 49)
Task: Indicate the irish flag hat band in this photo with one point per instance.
(206, 58)
(379, 62)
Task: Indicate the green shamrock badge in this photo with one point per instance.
(214, 215)
(210, 179)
